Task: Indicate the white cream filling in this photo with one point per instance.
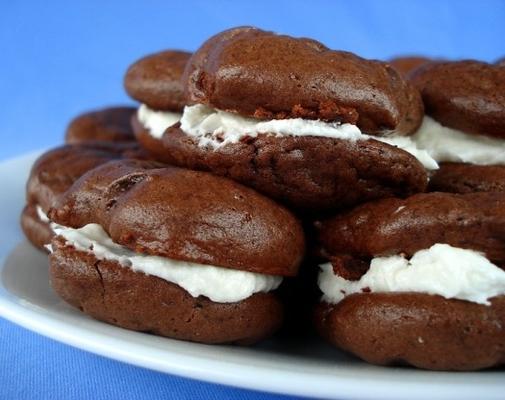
(443, 270)
(156, 122)
(447, 144)
(221, 285)
(41, 214)
(217, 128)
(407, 144)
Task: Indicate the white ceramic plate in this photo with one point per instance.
(295, 367)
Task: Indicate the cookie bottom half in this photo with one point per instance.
(109, 292)
(468, 178)
(416, 329)
(306, 173)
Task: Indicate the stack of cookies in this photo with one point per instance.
(262, 157)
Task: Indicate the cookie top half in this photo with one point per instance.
(57, 169)
(111, 124)
(263, 75)
(474, 221)
(465, 95)
(155, 80)
(184, 215)
(405, 64)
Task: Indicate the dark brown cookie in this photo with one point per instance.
(56, 170)
(182, 215)
(110, 124)
(468, 178)
(263, 75)
(465, 95)
(417, 329)
(117, 295)
(185, 215)
(404, 65)
(35, 229)
(385, 227)
(155, 80)
(310, 174)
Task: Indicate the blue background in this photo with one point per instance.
(60, 58)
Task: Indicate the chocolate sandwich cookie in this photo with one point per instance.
(404, 65)
(233, 69)
(155, 82)
(464, 126)
(313, 128)
(112, 124)
(54, 172)
(418, 281)
(174, 252)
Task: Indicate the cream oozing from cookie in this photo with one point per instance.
(221, 285)
(41, 214)
(443, 270)
(452, 145)
(156, 122)
(217, 128)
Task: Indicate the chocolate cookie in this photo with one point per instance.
(311, 174)
(394, 226)
(109, 292)
(309, 153)
(419, 281)
(468, 178)
(36, 227)
(267, 76)
(156, 221)
(417, 329)
(155, 80)
(404, 65)
(464, 129)
(54, 172)
(110, 124)
(464, 95)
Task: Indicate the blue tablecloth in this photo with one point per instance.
(34, 367)
(58, 59)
